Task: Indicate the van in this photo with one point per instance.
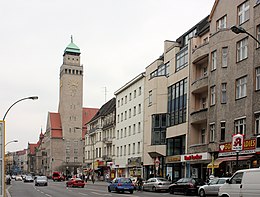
(244, 183)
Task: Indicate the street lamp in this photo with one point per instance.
(31, 97)
(2, 139)
(11, 142)
(241, 30)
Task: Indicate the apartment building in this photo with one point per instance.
(128, 143)
(98, 141)
(224, 84)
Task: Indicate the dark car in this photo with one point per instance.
(75, 182)
(186, 186)
(121, 185)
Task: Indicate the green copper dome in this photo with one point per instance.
(72, 48)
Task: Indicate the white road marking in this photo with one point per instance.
(83, 194)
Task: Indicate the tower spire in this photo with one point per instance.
(71, 39)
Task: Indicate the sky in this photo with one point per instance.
(118, 39)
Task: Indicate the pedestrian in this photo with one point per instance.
(139, 183)
(93, 178)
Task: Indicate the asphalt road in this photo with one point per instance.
(58, 189)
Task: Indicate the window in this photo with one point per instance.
(129, 149)
(125, 132)
(224, 93)
(177, 102)
(224, 56)
(139, 127)
(76, 151)
(240, 126)
(121, 150)
(133, 129)
(212, 132)
(138, 147)
(203, 136)
(214, 60)
(121, 117)
(125, 115)
(130, 96)
(162, 70)
(257, 80)
(133, 148)
(118, 118)
(258, 34)
(243, 12)
(222, 131)
(213, 95)
(129, 130)
(130, 113)
(134, 110)
(117, 151)
(222, 23)
(175, 145)
(203, 103)
(241, 87)
(139, 108)
(182, 58)
(75, 159)
(134, 93)
(150, 98)
(117, 134)
(140, 91)
(122, 101)
(158, 129)
(257, 123)
(189, 36)
(242, 49)
(125, 99)
(124, 150)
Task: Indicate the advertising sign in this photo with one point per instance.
(237, 142)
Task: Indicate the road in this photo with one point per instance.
(58, 189)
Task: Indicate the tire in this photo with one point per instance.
(171, 190)
(67, 185)
(131, 191)
(109, 190)
(186, 192)
(154, 189)
(202, 193)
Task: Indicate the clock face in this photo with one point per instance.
(73, 86)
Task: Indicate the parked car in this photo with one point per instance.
(186, 186)
(28, 179)
(18, 178)
(121, 184)
(156, 184)
(212, 188)
(244, 183)
(75, 182)
(41, 180)
(57, 176)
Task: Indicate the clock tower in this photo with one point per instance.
(70, 102)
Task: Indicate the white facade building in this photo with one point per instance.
(128, 142)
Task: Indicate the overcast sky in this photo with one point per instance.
(117, 39)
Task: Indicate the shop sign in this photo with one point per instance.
(192, 157)
(237, 142)
(172, 159)
(227, 147)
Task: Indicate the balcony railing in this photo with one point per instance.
(107, 140)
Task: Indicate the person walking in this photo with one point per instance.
(139, 183)
(93, 178)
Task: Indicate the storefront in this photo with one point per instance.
(134, 167)
(175, 169)
(225, 164)
(196, 164)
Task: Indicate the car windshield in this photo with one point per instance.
(125, 180)
(221, 181)
(41, 178)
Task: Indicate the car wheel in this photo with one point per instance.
(186, 192)
(109, 190)
(67, 185)
(154, 189)
(202, 193)
(171, 190)
(117, 190)
(131, 191)
(82, 186)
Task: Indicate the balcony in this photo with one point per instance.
(198, 117)
(199, 85)
(107, 140)
(200, 52)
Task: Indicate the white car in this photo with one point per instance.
(212, 187)
(18, 178)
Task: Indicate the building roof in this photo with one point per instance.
(55, 124)
(72, 48)
(107, 108)
(32, 148)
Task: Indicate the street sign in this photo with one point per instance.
(238, 142)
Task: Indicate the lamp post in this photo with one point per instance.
(2, 130)
(11, 142)
(239, 30)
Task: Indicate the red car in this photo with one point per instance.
(57, 176)
(75, 182)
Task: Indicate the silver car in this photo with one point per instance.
(212, 187)
(156, 184)
(41, 180)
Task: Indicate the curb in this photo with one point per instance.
(7, 192)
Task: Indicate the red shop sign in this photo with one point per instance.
(192, 157)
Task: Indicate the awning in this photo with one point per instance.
(234, 158)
